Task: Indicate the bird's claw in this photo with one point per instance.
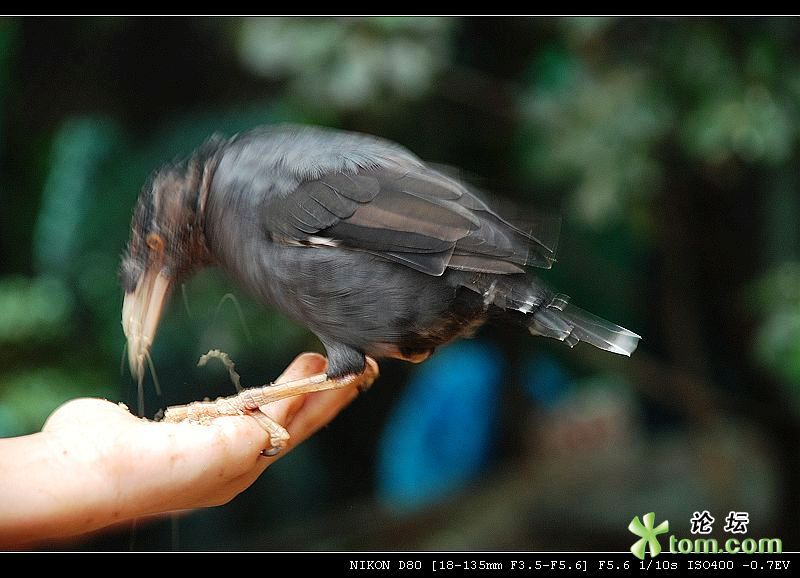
(278, 436)
(250, 401)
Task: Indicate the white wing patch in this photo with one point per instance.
(321, 241)
(311, 241)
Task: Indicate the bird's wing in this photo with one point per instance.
(415, 216)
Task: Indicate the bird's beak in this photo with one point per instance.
(141, 312)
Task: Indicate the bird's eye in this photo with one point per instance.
(155, 242)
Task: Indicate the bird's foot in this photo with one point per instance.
(278, 436)
(250, 401)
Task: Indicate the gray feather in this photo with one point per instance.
(372, 195)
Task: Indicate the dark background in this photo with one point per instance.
(670, 147)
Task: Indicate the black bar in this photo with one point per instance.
(436, 564)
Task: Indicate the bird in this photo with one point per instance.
(375, 251)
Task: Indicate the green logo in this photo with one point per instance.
(647, 535)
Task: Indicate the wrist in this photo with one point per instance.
(55, 485)
(43, 496)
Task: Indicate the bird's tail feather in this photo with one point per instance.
(563, 321)
(545, 314)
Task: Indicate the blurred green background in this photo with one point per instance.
(670, 147)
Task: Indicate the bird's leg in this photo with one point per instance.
(250, 401)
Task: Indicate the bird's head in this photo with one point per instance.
(166, 246)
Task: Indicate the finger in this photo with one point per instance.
(320, 408)
(304, 365)
(302, 415)
(284, 410)
(318, 411)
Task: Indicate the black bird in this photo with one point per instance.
(352, 236)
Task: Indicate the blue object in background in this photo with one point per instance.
(440, 434)
(546, 380)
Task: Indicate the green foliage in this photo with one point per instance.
(777, 299)
(28, 397)
(33, 310)
(614, 124)
(600, 131)
(347, 63)
(79, 149)
(605, 119)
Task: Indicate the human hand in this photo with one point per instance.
(95, 464)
